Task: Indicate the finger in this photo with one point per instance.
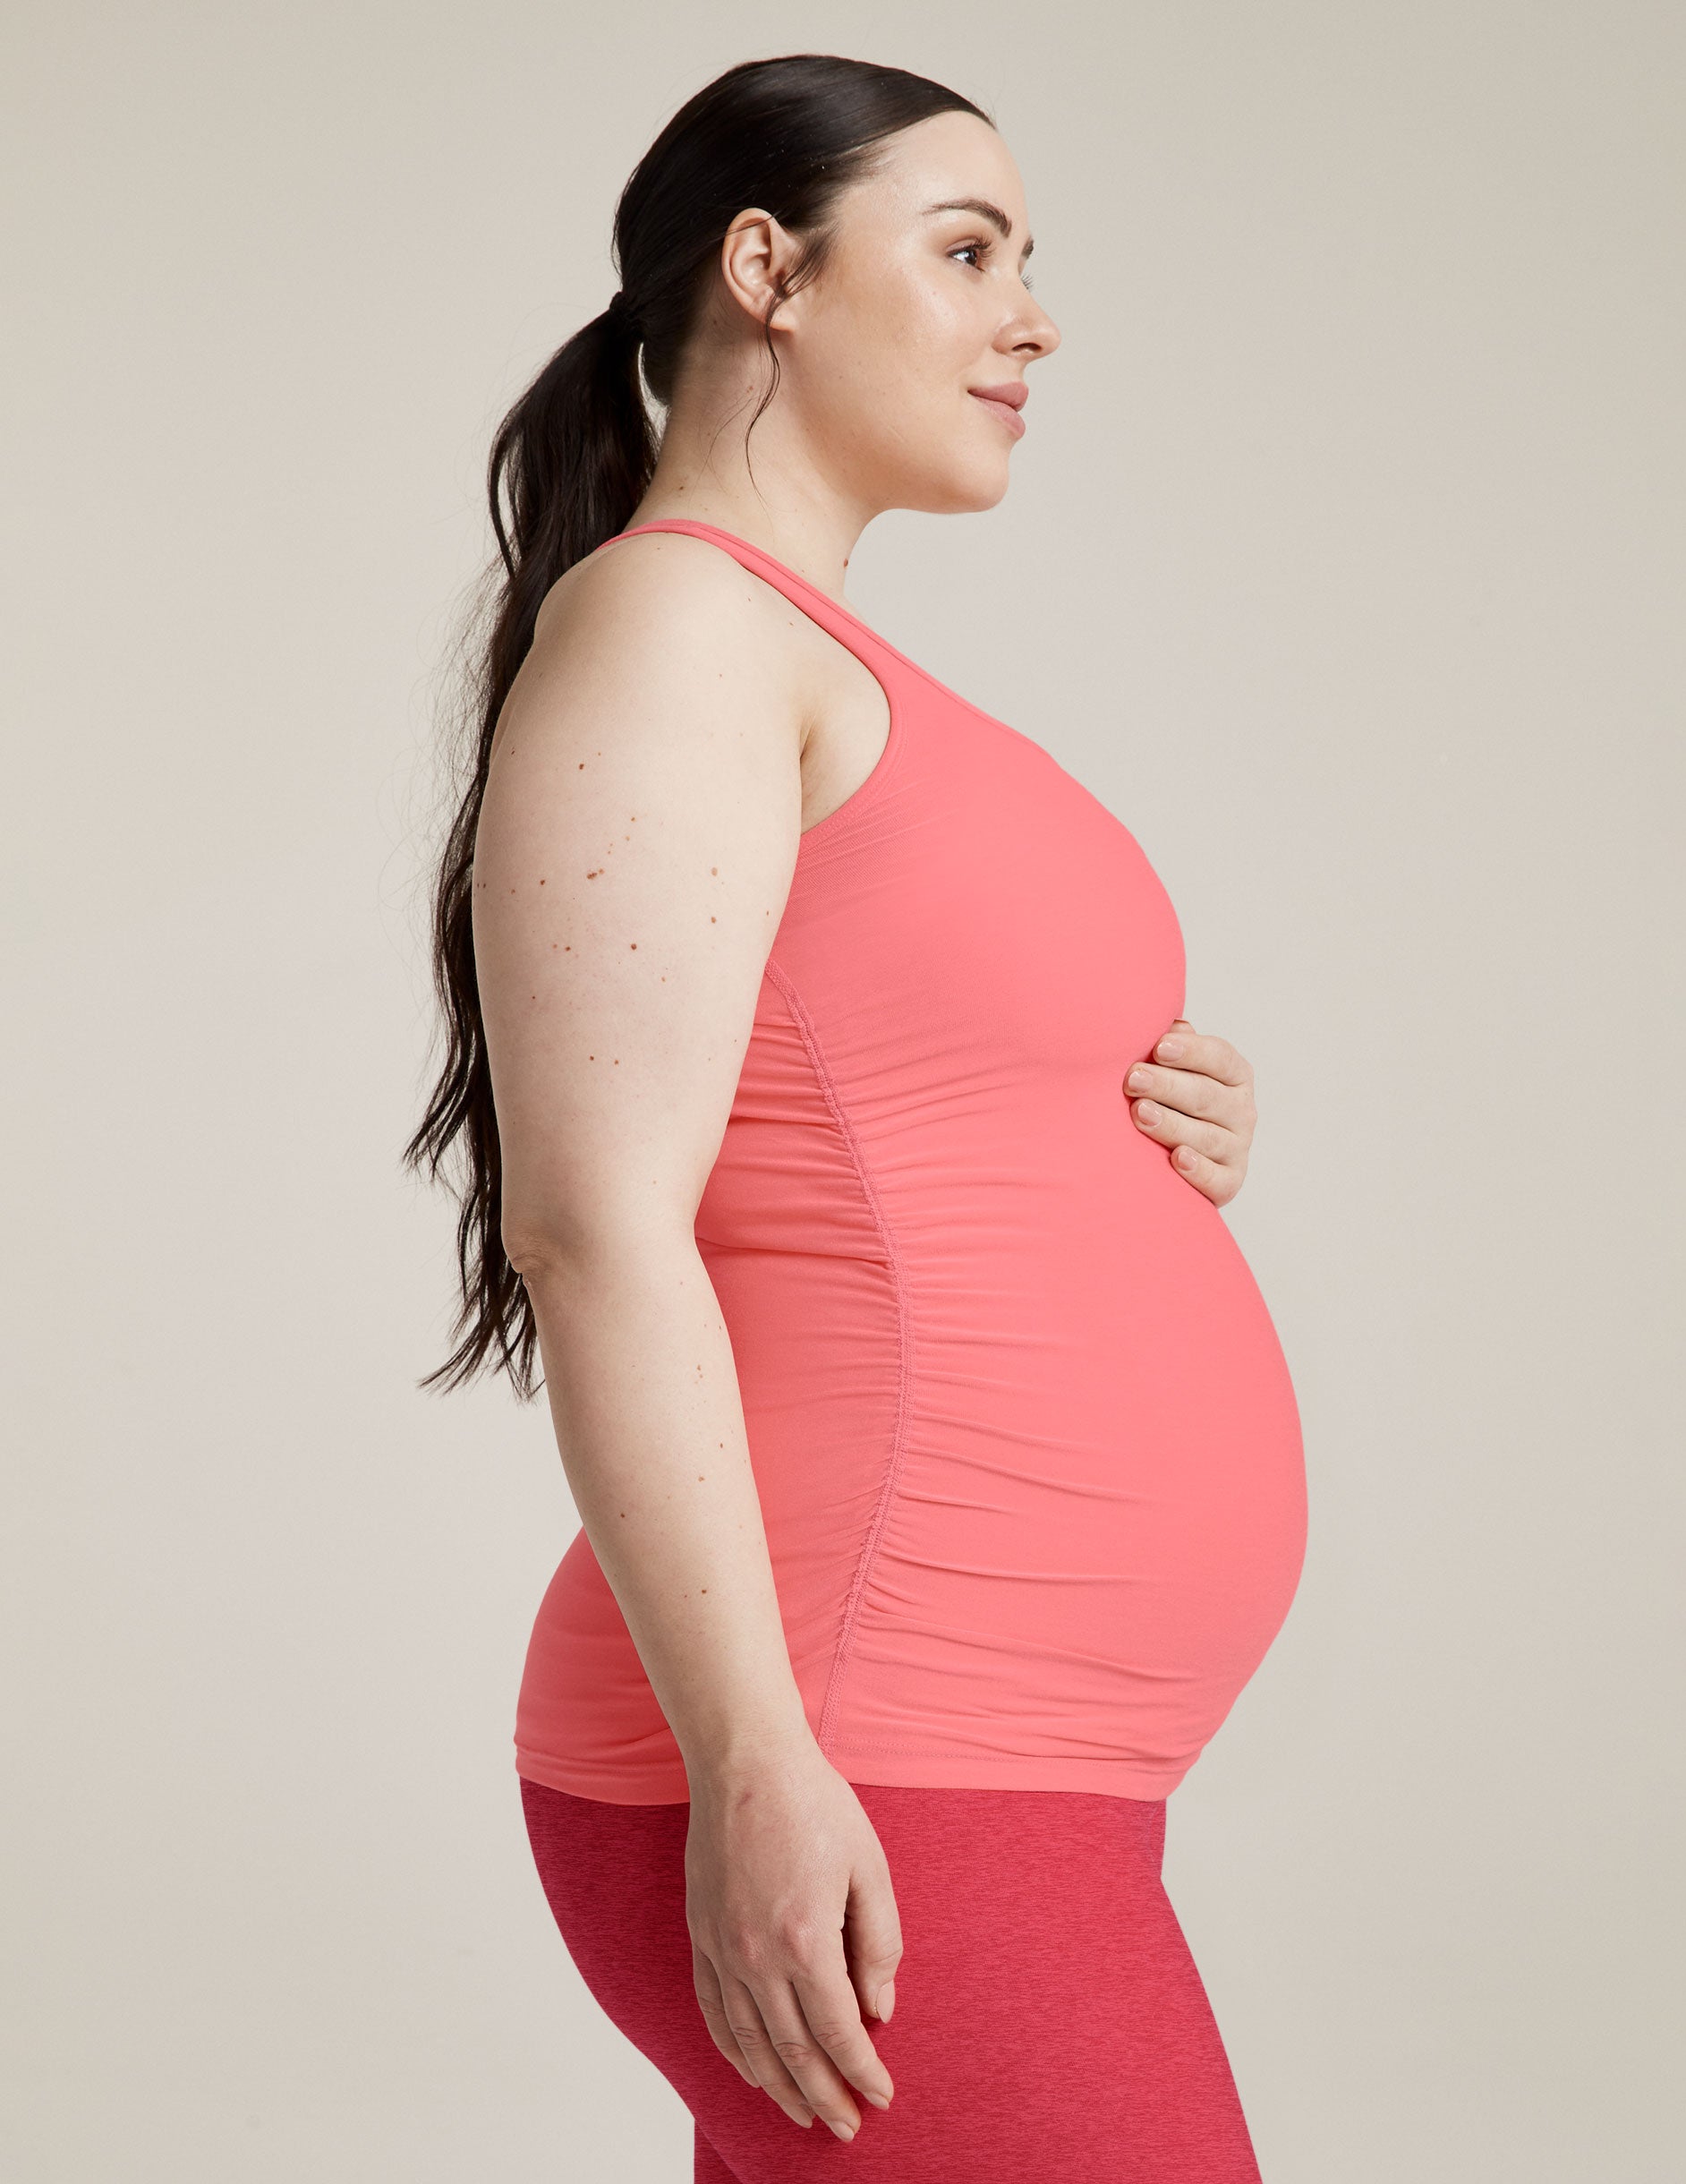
(1166, 1126)
(755, 2043)
(1205, 1052)
(872, 1942)
(1194, 1092)
(1211, 1178)
(706, 1981)
(832, 2010)
(802, 2050)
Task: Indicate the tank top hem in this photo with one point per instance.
(667, 1785)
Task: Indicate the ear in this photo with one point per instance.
(755, 252)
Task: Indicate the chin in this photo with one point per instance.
(966, 491)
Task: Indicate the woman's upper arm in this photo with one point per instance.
(636, 848)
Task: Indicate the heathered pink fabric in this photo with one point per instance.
(1050, 2026)
(1025, 1439)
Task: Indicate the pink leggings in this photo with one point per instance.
(1049, 2025)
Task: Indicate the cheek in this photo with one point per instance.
(909, 339)
(911, 375)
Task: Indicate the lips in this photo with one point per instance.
(1006, 402)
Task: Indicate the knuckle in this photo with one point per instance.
(791, 2049)
(747, 1948)
(797, 1938)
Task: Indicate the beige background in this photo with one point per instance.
(1344, 561)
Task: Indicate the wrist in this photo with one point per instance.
(746, 1756)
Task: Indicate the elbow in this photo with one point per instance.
(535, 1251)
(587, 1249)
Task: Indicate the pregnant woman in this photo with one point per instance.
(832, 1134)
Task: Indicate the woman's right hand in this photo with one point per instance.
(794, 1938)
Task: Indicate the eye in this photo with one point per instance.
(982, 250)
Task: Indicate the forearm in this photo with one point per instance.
(649, 1422)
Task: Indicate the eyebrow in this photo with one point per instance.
(985, 211)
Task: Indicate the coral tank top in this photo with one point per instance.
(1025, 1439)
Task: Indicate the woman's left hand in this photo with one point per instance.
(1197, 1100)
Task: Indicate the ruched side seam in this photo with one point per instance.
(903, 1343)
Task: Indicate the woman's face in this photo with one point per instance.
(923, 302)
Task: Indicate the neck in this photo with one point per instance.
(789, 505)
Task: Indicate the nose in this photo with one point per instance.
(1038, 335)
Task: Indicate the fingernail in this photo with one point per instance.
(1139, 1077)
(879, 2100)
(844, 2131)
(1169, 1048)
(1146, 1112)
(886, 2000)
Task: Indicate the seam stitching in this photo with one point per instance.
(904, 1337)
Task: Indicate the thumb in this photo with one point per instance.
(872, 1944)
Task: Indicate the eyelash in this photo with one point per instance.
(985, 245)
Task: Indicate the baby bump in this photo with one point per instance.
(1097, 1517)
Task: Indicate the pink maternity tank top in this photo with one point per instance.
(1024, 1440)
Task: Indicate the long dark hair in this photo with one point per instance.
(569, 464)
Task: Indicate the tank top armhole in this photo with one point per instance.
(845, 627)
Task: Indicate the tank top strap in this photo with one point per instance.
(832, 616)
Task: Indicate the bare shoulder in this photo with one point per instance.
(664, 617)
(654, 571)
(661, 678)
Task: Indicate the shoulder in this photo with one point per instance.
(668, 639)
(676, 653)
(702, 604)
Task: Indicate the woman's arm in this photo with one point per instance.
(636, 845)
